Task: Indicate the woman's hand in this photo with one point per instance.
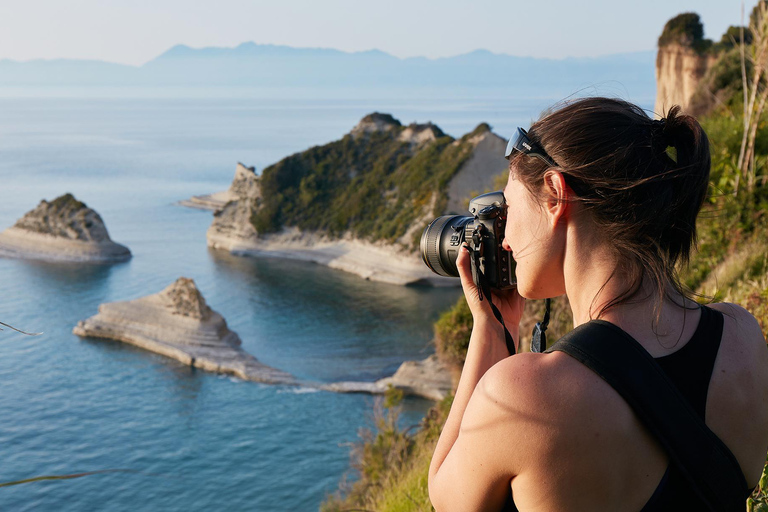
(509, 302)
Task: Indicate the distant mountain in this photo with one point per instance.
(271, 65)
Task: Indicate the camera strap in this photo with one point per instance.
(483, 289)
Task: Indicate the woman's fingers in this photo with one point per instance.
(465, 268)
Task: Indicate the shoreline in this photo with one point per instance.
(375, 262)
(23, 244)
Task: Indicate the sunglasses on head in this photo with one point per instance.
(522, 143)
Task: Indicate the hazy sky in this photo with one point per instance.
(135, 31)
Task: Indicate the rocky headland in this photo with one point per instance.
(178, 323)
(64, 229)
(243, 184)
(360, 204)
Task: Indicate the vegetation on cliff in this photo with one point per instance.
(375, 183)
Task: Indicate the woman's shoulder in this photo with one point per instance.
(555, 388)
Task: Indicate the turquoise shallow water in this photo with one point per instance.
(191, 440)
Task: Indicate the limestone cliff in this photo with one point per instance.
(361, 203)
(691, 71)
(679, 70)
(64, 229)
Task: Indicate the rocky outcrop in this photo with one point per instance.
(478, 157)
(245, 184)
(428, 378)
(64, 229)
(375, 122)
(679, 70)
(418, 134)
(177, 323)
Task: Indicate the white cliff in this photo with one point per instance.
(244, 184)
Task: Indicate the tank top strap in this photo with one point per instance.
(690, 368)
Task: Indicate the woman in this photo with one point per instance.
(599, 209)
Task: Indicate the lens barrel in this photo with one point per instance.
(441, 242)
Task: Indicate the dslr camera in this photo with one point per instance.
(483, 232)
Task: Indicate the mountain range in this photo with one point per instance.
(251, 64)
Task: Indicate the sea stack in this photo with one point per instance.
(178, 323)
(64, 229)
(245, 184)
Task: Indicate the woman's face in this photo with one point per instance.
(531, 239)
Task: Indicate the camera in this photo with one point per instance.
(483, 232)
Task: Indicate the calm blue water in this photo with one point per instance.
(193, 440)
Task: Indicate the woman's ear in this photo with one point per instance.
(556, 193)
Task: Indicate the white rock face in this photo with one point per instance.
(244, 184)
(428, 378)
(679, 70)
(178, 323)
(418, 134)
(478, 173)
(62, 230)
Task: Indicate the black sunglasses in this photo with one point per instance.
(522, 143)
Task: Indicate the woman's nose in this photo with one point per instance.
(505, 245)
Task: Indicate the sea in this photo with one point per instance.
(137, 431)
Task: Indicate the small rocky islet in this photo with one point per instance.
(65, 230)
(178, 323)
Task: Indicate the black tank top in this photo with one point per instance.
(690, 369)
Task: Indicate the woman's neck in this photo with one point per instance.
(593, 280)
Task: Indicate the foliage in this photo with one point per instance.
(758, 502)
(685, 29)
(372, 185)
(452, 332)
(392, 465)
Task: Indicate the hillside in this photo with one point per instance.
(361, 203)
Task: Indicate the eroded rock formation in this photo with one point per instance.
(64, 229)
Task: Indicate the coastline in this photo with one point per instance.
(376, 262)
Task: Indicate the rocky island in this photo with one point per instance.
(64, 229)
(360, 204)
(244, 182)
(178, 323)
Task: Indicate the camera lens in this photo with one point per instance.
(440, 244)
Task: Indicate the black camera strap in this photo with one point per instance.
(706, 463)
(483, 289)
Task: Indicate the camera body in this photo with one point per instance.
(483, 232)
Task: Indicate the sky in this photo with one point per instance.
(136, 31)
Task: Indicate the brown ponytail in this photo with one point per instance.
(644, 181)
